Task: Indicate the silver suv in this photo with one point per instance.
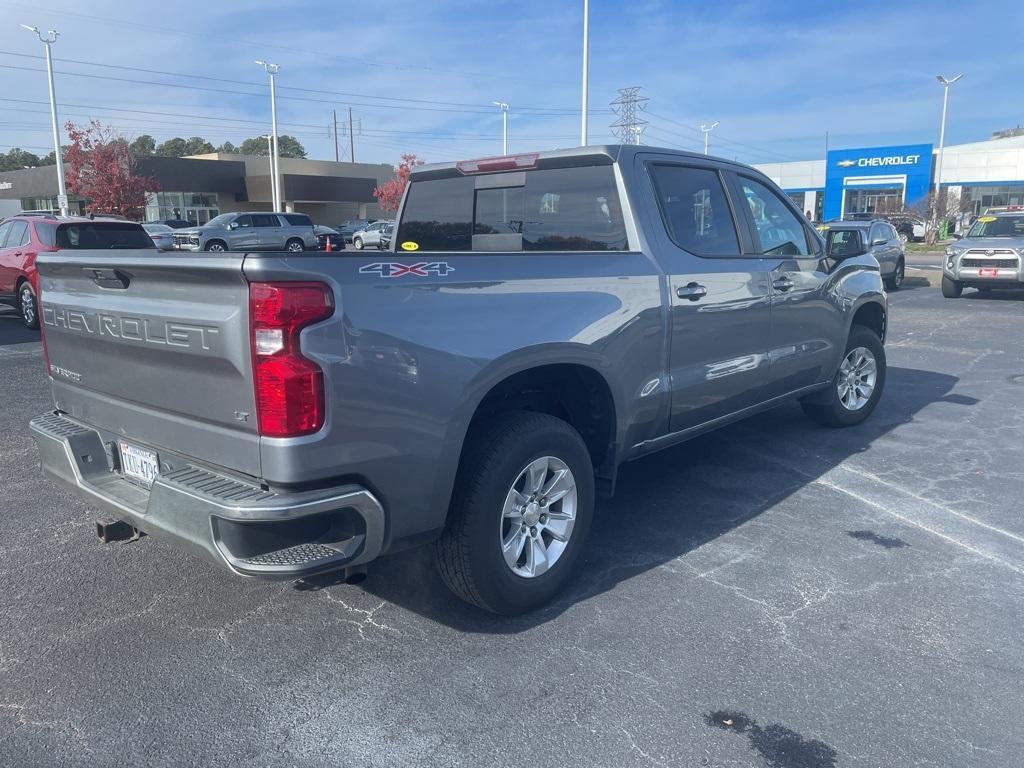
(878, 238)
(987, 257)
(370, 237)
(249, 232)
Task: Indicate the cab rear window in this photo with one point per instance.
(557, 209)
(102, 235)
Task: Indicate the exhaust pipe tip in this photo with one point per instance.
(355, 574)
(109, 531)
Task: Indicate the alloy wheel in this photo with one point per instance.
(538, 517)
(857, 377)
(27, 299)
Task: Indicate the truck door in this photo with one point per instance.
(719, 294)
(805, 320)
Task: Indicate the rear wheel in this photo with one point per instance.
(295, 245)
(951, 289)
(520, 513)
(217, 246)
(857, 385)
(28, 306)
(358, 243)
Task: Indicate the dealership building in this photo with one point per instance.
(198, 188)
(888, 179)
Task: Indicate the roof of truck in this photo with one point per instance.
(612, 153)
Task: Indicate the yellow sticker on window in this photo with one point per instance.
(823, 228)
(408, 245)
(987, 219)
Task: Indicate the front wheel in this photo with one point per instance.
(358, 243)
(28, 306)
(951, 289)
(857, 385)
(520, 513)
(216, 246)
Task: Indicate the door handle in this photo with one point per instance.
(782, 284)
(692, 291)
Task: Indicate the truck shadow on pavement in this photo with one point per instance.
(13, 330)
(673, 502)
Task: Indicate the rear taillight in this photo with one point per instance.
(290, 397)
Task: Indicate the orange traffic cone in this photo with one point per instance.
(328, 248)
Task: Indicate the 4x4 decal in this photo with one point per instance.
(420, 269)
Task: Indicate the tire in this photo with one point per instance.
(358, 243)
(216, 246)
(28, 306)
(497, 457)
(951, 289)
(294, 245)
(837, 412)
(894, 282)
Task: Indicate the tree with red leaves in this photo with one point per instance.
(100, 165)
(389, 194)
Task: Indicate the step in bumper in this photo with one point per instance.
(252, 530)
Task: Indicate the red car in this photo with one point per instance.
(25, 236)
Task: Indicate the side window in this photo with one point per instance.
(877, 233)
(244, 221)
(47, 234)
(265, 220)
(780, 232)
(842, 243)
(438, 215)
(18, 235)
(695, 210)
(298, 220)
(571, 209)
(4, 229)
(893, 234)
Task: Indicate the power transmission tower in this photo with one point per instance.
(627, 107)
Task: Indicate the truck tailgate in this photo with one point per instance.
(154, 348)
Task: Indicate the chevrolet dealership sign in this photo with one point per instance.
(904, 170)
(874, 162)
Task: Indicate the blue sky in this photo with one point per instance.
(420, 76)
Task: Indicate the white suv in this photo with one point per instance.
(370, 237)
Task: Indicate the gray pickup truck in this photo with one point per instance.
(540, 320)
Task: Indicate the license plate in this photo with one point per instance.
(139, 464)
(988, 273)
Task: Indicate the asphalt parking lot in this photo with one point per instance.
(776, 594)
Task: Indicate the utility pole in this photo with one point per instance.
(945, 82)
(272, 70)
(351, 138)
(629, 126)
(586, 74)
(49, 40)
(504, 125)
(334, 115)
(707, 129)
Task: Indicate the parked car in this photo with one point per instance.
(877, 238)
(250, 232)
(162, 236)
(909, 228)
(988, 257)
(288, 416)
(23, 238)
(175, 223)
(370, 236)
(348, 228)
(386, 237)
(325, 235)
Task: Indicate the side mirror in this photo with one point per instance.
(956, 236)
(233, 225)
(878, 242)
(843, 248)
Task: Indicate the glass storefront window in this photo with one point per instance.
(195, 207)
(981, 198)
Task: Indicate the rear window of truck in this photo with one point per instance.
(102, 235)
(557, 209)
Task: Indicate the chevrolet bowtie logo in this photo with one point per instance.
(846, 163)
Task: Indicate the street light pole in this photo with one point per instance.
(707, 134)
(50, 39)
(272, 70)
(504, 125)
(586, 74)
(945, 82)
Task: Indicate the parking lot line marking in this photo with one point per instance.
(983, 539)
